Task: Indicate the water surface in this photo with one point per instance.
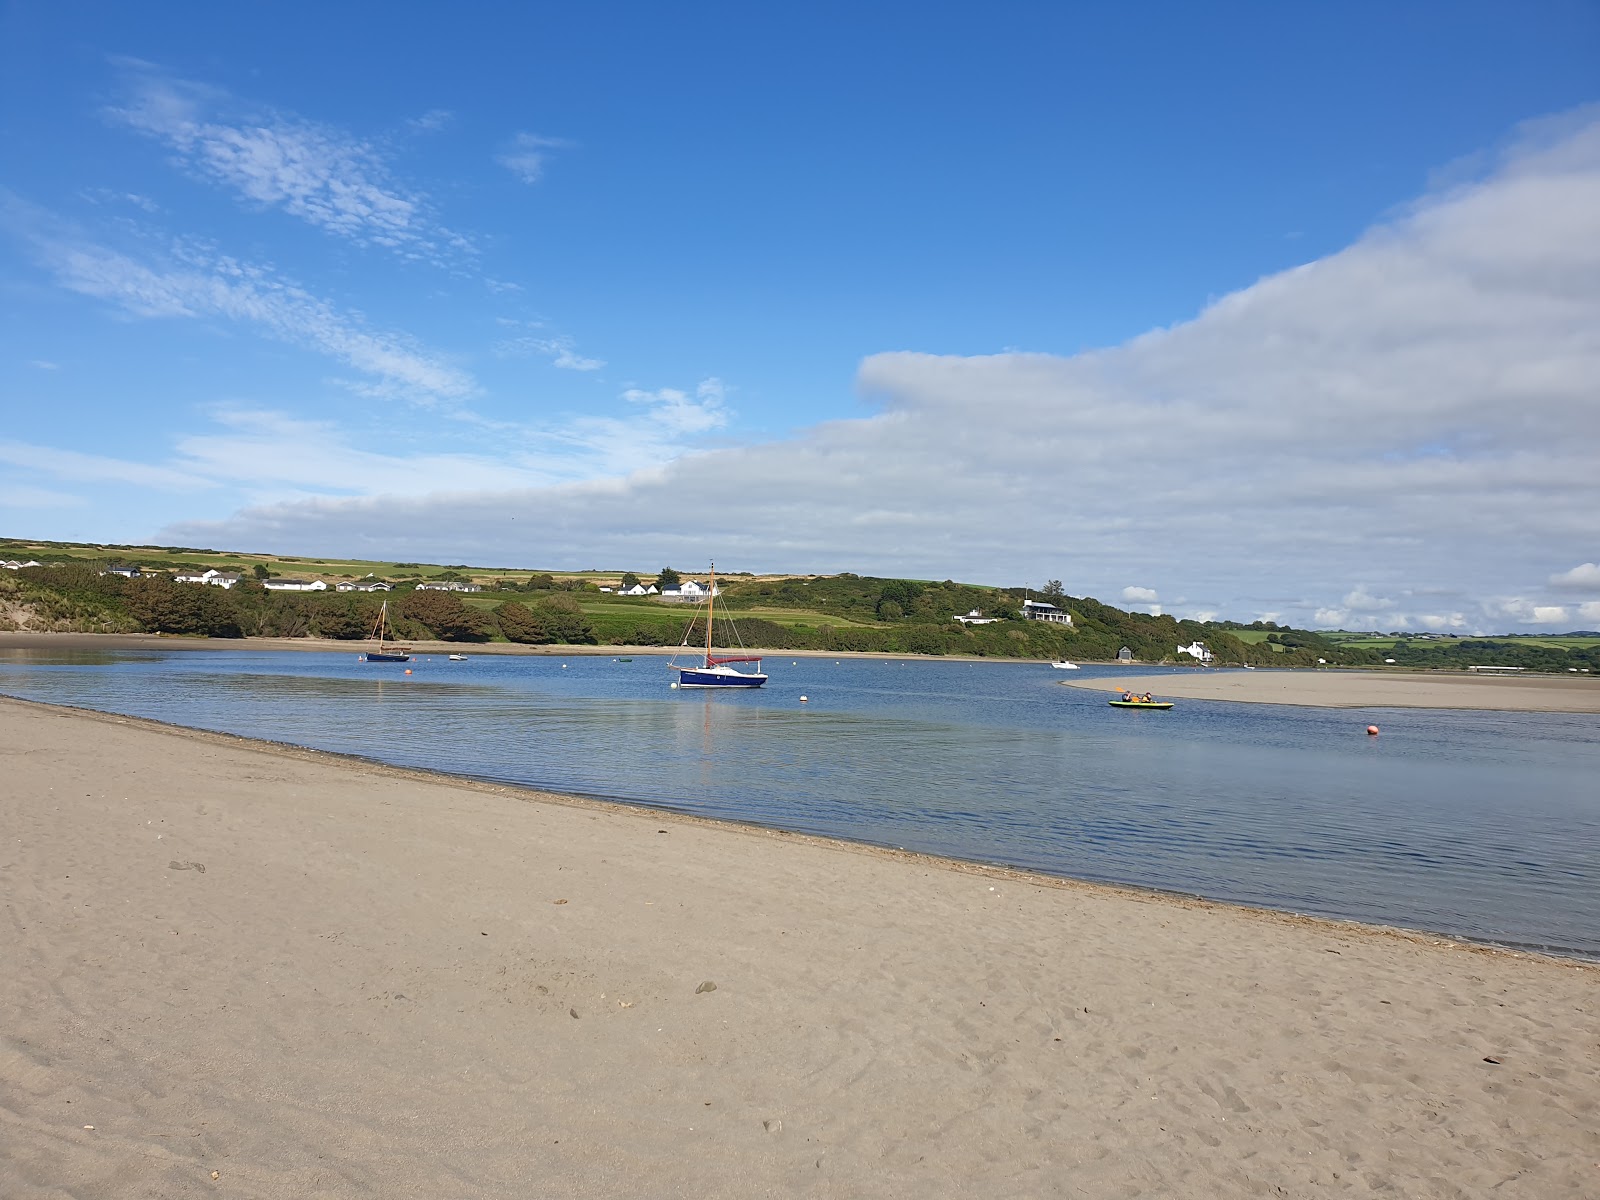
(1475, 824)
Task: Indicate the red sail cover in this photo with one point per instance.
(717, 662)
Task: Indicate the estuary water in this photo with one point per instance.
(1478, 825)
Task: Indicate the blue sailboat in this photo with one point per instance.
(717, 670)
(386, 653)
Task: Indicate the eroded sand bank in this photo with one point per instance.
(388, 985)
(1367, 689)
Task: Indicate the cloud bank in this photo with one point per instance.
(1399, 435)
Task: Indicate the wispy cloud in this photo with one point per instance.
(559, 349)
(40, 364)
(432, 121)
(94, 468)
(190, 280)
(525, 156)
(331, 179)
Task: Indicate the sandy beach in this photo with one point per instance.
(312, 977)
(1367, 689)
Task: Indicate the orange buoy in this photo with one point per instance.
(408, 671)
(1372, 730)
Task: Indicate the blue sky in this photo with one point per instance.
(1120, 296)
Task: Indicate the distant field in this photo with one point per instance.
(1517, 639)
(166, 558)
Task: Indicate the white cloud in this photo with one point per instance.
(1528, 612)
(1415, 411)
(324, 176)
(1141, 595)
(1360, 601)
(40, 364)
(525, 156)
(1589, 610)
(1329, 618)
(1585, 577)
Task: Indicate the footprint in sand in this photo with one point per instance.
(175, 865)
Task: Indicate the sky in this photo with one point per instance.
(1242, 311)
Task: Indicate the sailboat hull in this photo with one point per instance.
(719, 677)
(374, 656)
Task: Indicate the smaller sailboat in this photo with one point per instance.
(717, 670)
(386, 653)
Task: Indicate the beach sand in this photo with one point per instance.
(1367, 689)
(319, 978)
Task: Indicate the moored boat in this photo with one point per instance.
(717, 670)
(386, 654)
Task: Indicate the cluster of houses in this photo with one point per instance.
(688, 589)
(14, 565)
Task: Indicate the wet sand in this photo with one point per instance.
(1367, 689)
(318, 978)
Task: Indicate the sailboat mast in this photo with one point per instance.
(711, 611)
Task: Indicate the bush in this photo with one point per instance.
(447, 617)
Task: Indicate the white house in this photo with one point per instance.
(1197, 651)
(363, 585)
(1038, 610)
(295, 585)
(688, 590)
(17, 566)
(214, 577)
(976, 617)
(125, 572)
(448, 585)
(637, 589)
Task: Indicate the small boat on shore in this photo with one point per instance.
(386, 654)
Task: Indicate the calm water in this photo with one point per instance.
(1480, 825)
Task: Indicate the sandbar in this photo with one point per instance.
(239, 969)
(1366, 689)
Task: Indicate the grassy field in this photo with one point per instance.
(332, 569)
(1367, 642)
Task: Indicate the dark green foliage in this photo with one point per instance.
(519, 623)
(668, 579)
(629, 579)
(163, 606)
(446, 617)
(344, 617)
(564, 621)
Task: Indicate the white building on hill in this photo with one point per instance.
(1039, 610)
(294, 585)
(214, 577)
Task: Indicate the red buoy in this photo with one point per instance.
(1372, 730)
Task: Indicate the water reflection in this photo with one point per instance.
(1478, 824)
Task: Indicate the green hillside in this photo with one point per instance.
(72, 591)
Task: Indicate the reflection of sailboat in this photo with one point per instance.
(382, 653)
(716, 670)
